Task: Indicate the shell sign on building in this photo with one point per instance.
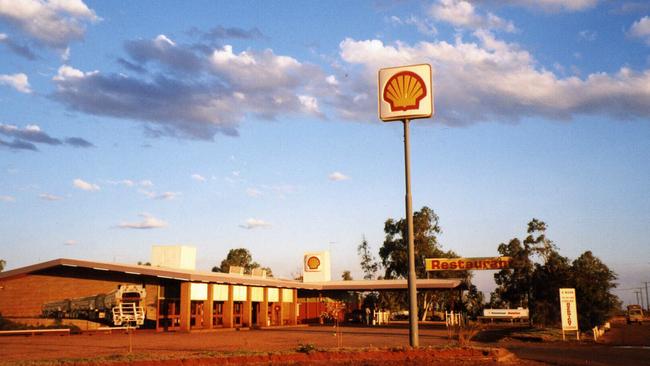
(405, 92)
(312, 263)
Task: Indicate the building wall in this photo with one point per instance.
(24, 296)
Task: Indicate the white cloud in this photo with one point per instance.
(165, 196)
(130, 183)
(5, 198)
(27, 137)
(67, 73)
(255, 224)
(148, 222)
(65, 55)
(588, 35)
(198, 177)
(85, 186)
(52, 22)
(557, 5)
(338, 176)
(183, 92)
(462, 13)
(162, 41)
(331, 79)
(253, 192)
(641, 29)
(309, 104)
(492, 80)
(424, 26)
(20, 82)
(123, 182)
(50, 197)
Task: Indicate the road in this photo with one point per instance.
(624, 345)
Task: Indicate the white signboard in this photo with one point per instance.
(568, 309)
(405, 92)
(506, 313)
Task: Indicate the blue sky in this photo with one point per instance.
(253, 124)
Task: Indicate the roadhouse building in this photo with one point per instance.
(171, 295)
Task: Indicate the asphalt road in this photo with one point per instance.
(624, 345)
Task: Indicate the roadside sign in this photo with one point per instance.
(405, 92)
(568, 310)
(465, 264)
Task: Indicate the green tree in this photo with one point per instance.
(536, 284)
(473, 301)
(593, 282)
(514, 286)
(346, 276)
(394, 252)
(369, 264)
(2, 264)
(547, 278)
(394, 257)
(536, 243)
(240, 257)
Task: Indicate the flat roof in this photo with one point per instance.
(232, 278)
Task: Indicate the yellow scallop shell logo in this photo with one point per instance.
(313, 262)
(404, 91)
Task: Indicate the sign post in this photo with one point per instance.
(405, 93)
(569, 312)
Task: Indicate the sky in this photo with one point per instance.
(221, 124)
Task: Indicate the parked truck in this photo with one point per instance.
(634, 314)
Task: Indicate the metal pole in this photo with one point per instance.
(647, 302)
(637, 296)
(413, 299)
(641, 296)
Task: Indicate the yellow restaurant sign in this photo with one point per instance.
(462, 264)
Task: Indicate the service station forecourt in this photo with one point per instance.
(406, 93)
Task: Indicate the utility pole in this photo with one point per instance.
(647, 303)
(637, 296)
(641, 297)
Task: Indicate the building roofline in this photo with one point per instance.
(231, 278)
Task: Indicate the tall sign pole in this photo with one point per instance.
(406, 93)
(414, 339)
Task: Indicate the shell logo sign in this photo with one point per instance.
(405, 92)
(312, 263)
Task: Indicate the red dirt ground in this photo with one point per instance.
(360, 346)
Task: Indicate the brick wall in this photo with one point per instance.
(23, 296)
